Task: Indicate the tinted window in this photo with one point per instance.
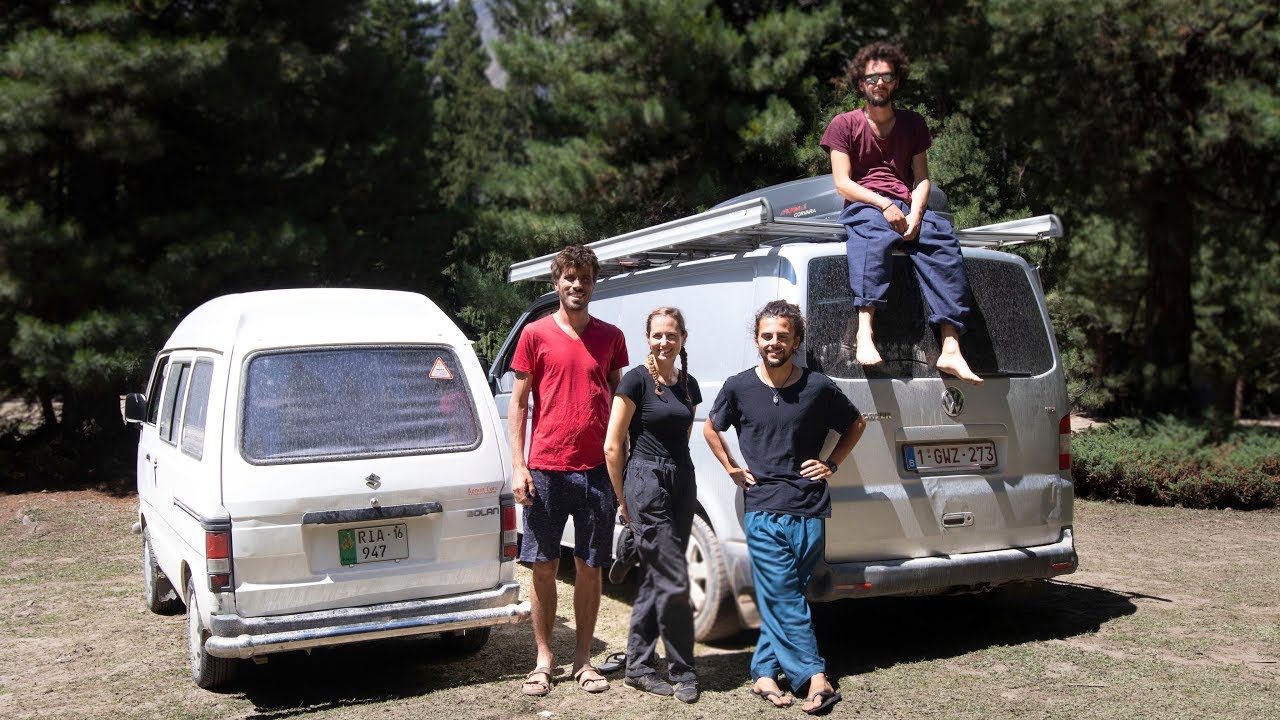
(153, 393)
(355, 402)
(174, 390)
(1006, 334)
(197, 408)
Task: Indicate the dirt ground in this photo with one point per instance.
(1173, 614)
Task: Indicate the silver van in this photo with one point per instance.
(951, 489)
(318, 467)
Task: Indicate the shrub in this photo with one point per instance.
(1174, 462)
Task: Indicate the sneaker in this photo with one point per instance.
(650, 683)
(687, 692)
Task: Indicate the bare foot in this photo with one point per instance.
(953, 363)
(767, 689)
(866, 352)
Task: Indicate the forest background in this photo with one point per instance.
(154, 155)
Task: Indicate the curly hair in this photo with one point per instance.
(574, 256)
(783, 310)
(886, 51)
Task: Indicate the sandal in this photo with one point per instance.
(613, 663)
(536, 688)
(590, 684)
(828, 697)
(768, 695)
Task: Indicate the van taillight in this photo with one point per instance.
(509, 549)
(217, 559)
(1064, 442)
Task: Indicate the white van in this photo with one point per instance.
(318, 467)
(951, 489)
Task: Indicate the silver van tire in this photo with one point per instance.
(466, 641)
(157, 591)
(714, 615)
(208, 672)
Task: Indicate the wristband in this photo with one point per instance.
(830, 466)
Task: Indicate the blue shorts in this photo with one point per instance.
(586, 496)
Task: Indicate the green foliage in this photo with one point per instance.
(1173, 462)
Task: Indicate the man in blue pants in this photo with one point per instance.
(782, 414)
(880, 167)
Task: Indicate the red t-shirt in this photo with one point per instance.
(882, 166)
(570, 383)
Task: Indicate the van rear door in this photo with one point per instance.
(945, 467)
(360, 475)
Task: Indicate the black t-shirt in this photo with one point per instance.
(660, 425)
(776, 438)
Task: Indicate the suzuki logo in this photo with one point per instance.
(373, 481)
(953, 401)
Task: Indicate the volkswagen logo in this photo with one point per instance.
(953, 401)
(373, 481)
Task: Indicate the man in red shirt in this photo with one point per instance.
(570, 363)
(881, 170)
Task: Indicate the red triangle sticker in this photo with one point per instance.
(440, 372)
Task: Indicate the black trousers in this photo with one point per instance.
(660, 499)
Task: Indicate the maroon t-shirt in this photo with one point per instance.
(882, 166)
(570, 391)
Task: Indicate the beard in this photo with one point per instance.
(883, 101)
(770, 362)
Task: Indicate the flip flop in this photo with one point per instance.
(612, 663)
(536, 688)
(766, 694)
(829, 698)
(590, 685)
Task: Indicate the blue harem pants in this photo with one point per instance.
(784, 550)
(935, 253)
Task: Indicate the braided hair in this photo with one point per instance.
(652, 365)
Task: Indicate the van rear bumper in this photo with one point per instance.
(968, 571)
(240, 637)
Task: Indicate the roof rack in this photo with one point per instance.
(747, 226)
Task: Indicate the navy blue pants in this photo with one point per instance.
(935, 254)
(660, 500)
(784, 551)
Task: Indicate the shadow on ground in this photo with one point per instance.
(858, 636)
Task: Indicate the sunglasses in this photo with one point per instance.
(878, 77)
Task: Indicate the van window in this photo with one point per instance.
(174, 391)
(351, 402)
(1007, 335)
(153, 393)
(197, 408)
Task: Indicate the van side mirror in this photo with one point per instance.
(135, 408)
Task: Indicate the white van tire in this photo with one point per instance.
(466, 641)
(157, 591)
(714, 614)
(208, 672)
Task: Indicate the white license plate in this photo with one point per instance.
(376, 543)
(949, 456)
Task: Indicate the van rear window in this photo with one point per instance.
(1007, 335)
(354, 402)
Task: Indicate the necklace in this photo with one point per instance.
(776, 388)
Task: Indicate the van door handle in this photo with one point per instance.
(957, 519)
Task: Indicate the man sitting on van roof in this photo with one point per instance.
(879, 162)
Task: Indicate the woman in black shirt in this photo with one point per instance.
(653, 413)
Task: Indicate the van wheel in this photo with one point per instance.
(158, 592)
(208, 671)
(714, 614)
(466, 641)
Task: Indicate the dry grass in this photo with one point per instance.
(1173, 615)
